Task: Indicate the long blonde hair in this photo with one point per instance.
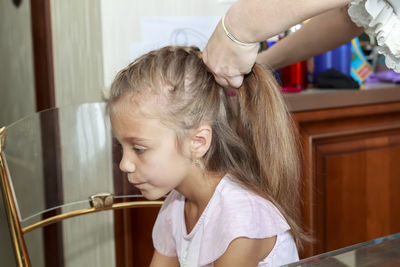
(253, 137)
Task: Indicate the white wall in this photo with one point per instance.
(121, 24)
(91, 39)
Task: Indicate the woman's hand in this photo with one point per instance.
(227, 60)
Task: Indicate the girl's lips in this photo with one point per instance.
(138, 185)
(135, 183)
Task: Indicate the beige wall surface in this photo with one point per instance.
(16, 69)
(16, 87)
(91, 39)
(77, 51)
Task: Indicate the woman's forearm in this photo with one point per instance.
(257, 20)
(322, 33)
(252, 21)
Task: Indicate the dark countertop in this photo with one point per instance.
(315, 99)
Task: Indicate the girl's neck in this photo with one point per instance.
(198, 193)
(199, 188)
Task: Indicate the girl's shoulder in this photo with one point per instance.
(234, 212)
(232, 200)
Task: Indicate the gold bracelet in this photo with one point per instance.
(233, 37)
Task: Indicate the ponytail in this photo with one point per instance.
(265, 124)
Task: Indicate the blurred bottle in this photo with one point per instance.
(338, 59)
(294, 77)
(342, 58)
(323, 62)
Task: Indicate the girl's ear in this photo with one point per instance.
(201, 141)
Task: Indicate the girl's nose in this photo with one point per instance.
(127, 165)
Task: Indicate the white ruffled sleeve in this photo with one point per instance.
(381, 19)
(240, 214)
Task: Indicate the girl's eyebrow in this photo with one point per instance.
(130, 139)
(135, 139)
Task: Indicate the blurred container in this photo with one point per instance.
(323, 62)
(294, 77)
(360, 67)
(338, 59)
(342, 58)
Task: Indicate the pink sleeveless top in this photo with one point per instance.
(232, 212)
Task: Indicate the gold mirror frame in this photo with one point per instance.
(17, 237)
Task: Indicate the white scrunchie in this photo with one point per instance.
(379, 19)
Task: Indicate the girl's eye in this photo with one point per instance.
(139, 149)
(119, 146)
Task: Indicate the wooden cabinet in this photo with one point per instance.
(351, 174)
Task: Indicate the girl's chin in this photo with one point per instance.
(152, 195)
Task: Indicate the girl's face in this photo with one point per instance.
(150, 154)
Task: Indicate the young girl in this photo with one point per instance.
(227, 162)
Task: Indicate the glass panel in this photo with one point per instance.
(81, 241)
(383, 251)
(58, 158)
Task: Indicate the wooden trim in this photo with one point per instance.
(53, 186)
(45, 99)
(42, 54)
(340, 113)
(319, 99)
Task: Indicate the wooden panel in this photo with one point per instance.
(142, 226)
(42, 54)
(52, 172)
(358, 185)
(350, 168)
(45, 99)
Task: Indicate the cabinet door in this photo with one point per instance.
(351, 174)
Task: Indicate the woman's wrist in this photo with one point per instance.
(232, 37)
(239, 27)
